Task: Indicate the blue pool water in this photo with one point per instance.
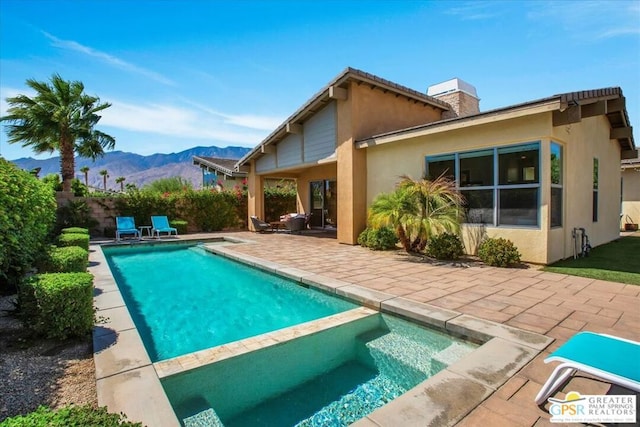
(330, 378)
(184, 299)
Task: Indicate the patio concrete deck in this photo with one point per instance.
(555, 305)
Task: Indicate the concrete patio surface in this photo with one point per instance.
(551, 304)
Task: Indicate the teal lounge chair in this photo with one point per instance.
(160, 224)
(615, 360)
(126, 225)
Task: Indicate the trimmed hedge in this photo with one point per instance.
(445, 246)
(179, 225)
(58, 305)
(74, 239)
(72, 415)
(498, 252)
(378, 238)
(75, 230)
(67, 259)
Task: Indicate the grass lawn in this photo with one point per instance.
(617, 261)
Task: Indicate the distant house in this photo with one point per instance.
(220, 173)
(630, 193)
(529, 172)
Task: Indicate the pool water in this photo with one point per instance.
(330, 378)
(184, 299)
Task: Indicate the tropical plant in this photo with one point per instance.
(60, 117)
(120, 180)
(169, 185)
(104, 174)
(393, 210)
(85, 171)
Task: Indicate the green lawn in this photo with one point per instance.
(618, 261)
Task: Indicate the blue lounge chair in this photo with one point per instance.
(615, 360)
(160, 224)
(126, 225)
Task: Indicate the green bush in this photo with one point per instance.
(74, 239)
(75, 230)
(69, 416)
(142, 205)
(58, 305)
(27, 218)
(279, 201)
(179, 225)
(67, 259)
(445, 246)
(378, 238)
(75, 214)
(209, 210)
(498, 252)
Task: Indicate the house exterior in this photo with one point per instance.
(630, 193)
(220, 173)
(530, 172)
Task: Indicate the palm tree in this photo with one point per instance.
(392, 210)
(85, 171)
(60, 117)
(120, 180)
(104, 174)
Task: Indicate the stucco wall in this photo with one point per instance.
(631, 195)
(323, 172)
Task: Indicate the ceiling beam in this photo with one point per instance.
(614, 105)
(294, 128)
(571, 115)
(629, 154)
(336, 92)
(621, 133)
(267, 149)
(598, 108)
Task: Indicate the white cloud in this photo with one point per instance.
(250, 121)
(474, 11)
(109, 59)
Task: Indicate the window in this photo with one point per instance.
(507, 178)
(556, 185)
(595, 190)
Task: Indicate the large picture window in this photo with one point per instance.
(556, 185)
(501, 186)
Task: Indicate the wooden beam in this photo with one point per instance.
(294, 128)
(621, 133)
(336, 92)
(614, 105)
(570, 115)
(267, 149)
(598, 108)
(629, 154)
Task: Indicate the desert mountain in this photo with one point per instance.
(137, 169)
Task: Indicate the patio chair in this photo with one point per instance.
(295, 224)
(126, 225)
(259, 225)
(610, 358)
(160, 224)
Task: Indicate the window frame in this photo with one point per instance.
(559, 185)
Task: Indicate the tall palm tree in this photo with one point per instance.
(120, 180)
(104, 174)
(60, 117)
(85, 171)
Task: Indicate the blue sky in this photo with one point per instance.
(199, 73)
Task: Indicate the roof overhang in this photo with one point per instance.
(211, 165)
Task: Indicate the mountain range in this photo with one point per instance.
(135, 168)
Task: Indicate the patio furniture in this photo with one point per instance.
(160, 224)
(259, 225)
(126, 225)
(613, 359)
(296, 224)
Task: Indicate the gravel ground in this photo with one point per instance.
(37, 372)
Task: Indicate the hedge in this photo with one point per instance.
(74, 239)
(72, 415)
(75, 230)
(58, 305)
(67, 259)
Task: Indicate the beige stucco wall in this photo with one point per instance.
(631, 195)
(582, 143)
(322, 172)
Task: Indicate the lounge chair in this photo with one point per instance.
(160, 224)
(126, 225)
(259, 225)
(296, 224)
(615, 360)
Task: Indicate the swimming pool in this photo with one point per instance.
(184, 299)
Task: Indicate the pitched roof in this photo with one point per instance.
(224, 166)
(325, 95)
(566, 107)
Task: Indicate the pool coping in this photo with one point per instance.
(124, 371)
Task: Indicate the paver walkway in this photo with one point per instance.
(556, 305)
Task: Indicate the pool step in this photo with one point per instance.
(206, 418)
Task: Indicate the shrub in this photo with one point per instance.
(498, 252)
(75, 214)
(378, 238)
(445, 246)
(279, 201)
(69, 416)
(27, 217)
(142, 205)
(58, 305)
(110, 232)
(75, 230)
(67, 259)
(179, 225)
(209, 210)
(74, 239)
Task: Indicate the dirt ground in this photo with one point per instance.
(36, 372)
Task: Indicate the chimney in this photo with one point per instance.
(460, 95)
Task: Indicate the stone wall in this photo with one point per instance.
(102, 209)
